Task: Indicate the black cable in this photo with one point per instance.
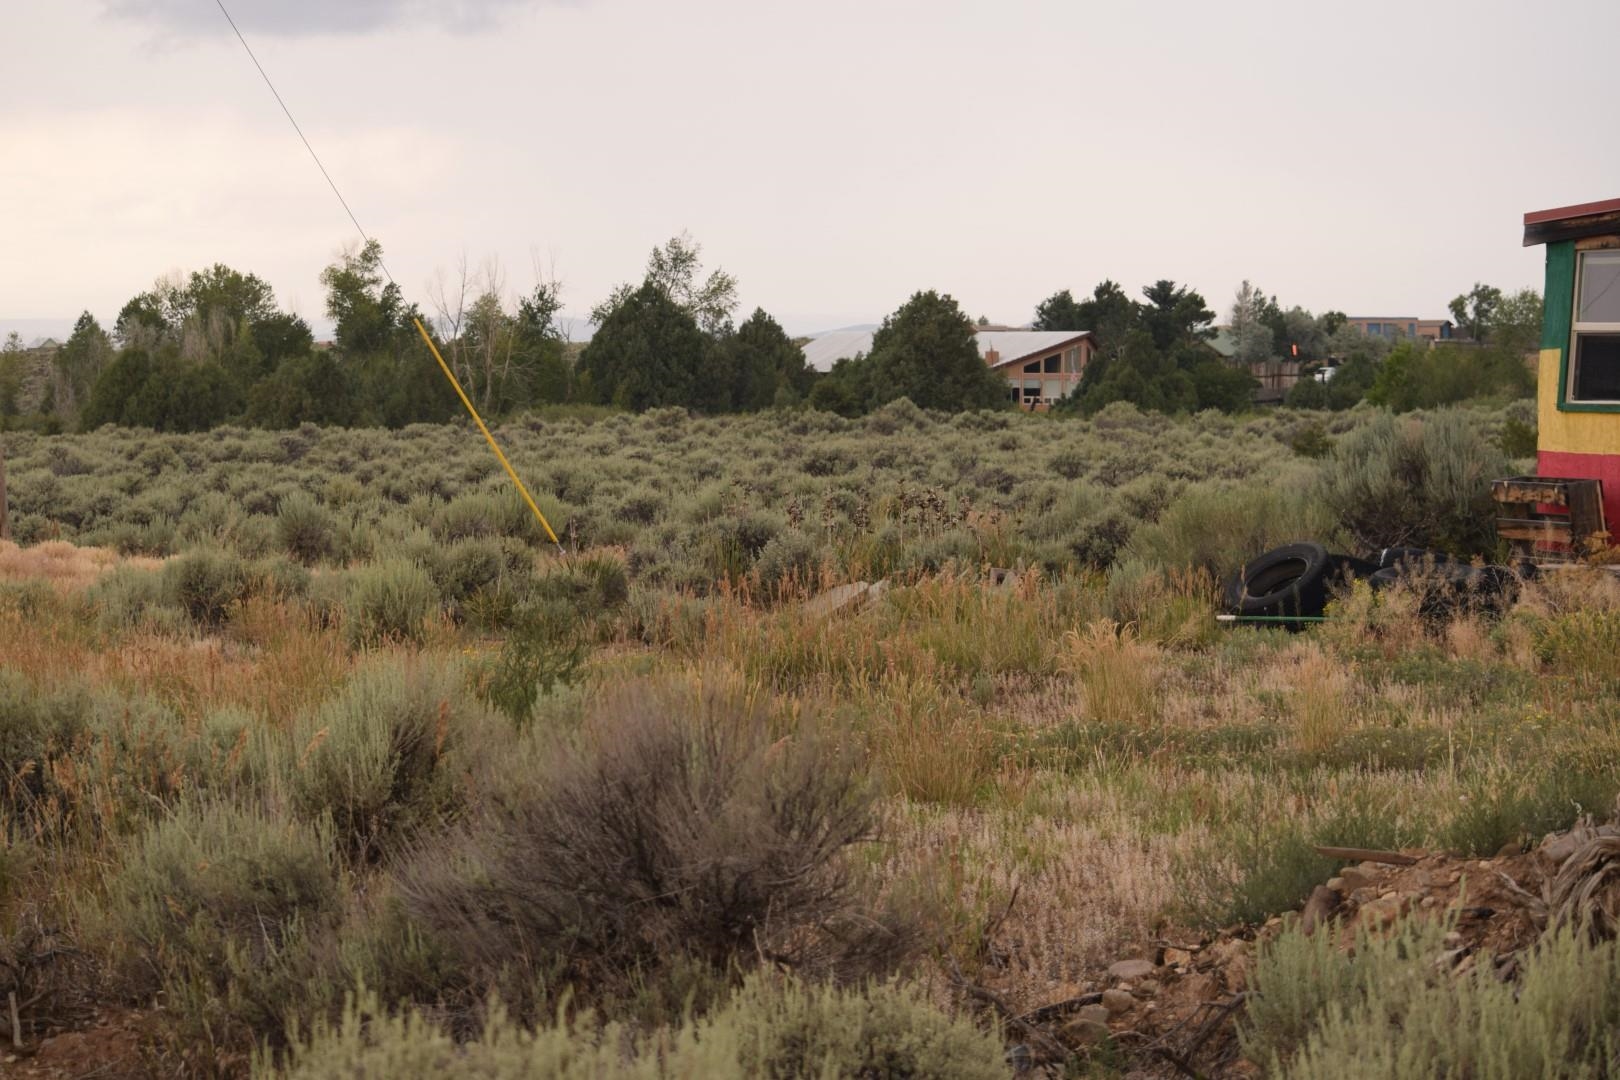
(317, 158)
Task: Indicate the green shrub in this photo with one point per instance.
(223, 911)
(128, 597)
(1391, 1010)
(376, 758)
(306, 530)
(205, 584)
(544, 648)
(787, 564)
(1423, 481)
(389, 601)
(35, 726)
(1218, 527)
(775, 1028)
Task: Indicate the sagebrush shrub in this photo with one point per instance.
(377, 759)
(306, 530)
(777, 1028)
(223, 909)
(1415, 480)
(206, 583)
(673, 828)
(389, 601)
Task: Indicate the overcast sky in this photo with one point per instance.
(836, 157)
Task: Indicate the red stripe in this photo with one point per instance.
(1604, 467)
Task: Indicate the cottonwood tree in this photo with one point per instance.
(676, 270)
(1253, 337)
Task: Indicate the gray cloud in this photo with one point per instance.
(296, 18)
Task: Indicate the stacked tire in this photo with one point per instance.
(1290, 586)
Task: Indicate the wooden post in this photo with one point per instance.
(5, 518)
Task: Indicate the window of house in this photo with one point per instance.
(1052, 390)
(1050, 364)
(1071, 360)
(1594, 373)
(1032, 368)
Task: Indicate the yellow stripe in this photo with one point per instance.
(1570, 432)
(479, 420)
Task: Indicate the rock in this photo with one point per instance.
(1336, 884)
(1128, 970)
(1318, 909)
(1003, 579)
(1086, 1032)
(877, 591)
(1177, 957)
(844, 598)
(1118, 1001)
(1356, 877)
(1383, 911)
(1096, 1013)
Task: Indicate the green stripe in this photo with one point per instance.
(1559, 308)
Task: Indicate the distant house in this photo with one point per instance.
(1041, 366)
(1406, 326)
(1273, 378)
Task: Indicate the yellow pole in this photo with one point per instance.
(479, 420)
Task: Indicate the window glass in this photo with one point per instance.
(1032, 368)
(1600, 288)
(1054, 389)
(1597, 368)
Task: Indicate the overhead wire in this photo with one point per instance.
(500, 456)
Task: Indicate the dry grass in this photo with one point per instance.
(63, 565)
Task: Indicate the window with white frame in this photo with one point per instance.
(1594, 370)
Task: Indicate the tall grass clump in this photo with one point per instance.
(1117, 672)
(1420, 479)
(1217, 527)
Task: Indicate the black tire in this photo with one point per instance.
(1411, 556)
(1347, 568)
(1288, 581)
(1449, 588)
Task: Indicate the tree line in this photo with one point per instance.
(211, 348)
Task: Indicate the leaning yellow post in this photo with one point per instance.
(493, 445)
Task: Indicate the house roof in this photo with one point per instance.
(1572, 222)
(1011, 345)
(823, 351)
(1015, 345)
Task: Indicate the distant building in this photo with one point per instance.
(1041, 366)
(1384, 326)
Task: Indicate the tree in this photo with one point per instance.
(926, 351)
(674, 270)
(648, 352)
(1175, 315)
(1474, 310)
(1253, 336)
(77, 364)
(312, 388)
(366, 312)
(762, 362)
(1516, 322)
(1060, 311)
